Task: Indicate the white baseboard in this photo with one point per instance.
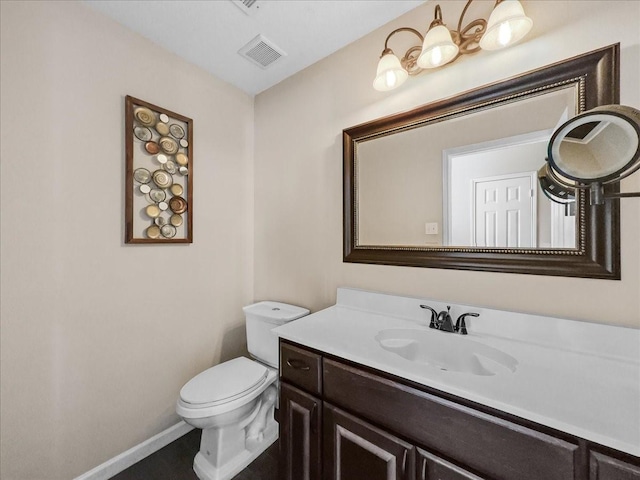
(123, 461)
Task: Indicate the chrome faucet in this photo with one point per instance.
(442, 321)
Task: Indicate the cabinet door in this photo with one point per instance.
(603, 467)
(498, 448)
(300, 422)
(432, 467)
(356, 450)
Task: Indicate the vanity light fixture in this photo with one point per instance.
(507, 24)
(593, 149)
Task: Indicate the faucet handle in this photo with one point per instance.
(460, 325)
(434, 315)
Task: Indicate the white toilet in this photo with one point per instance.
(233, 403)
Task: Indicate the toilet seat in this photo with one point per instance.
(224, 387)
(223, 383)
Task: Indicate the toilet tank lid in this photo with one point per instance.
(276, 311)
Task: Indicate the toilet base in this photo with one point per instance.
(205, 470)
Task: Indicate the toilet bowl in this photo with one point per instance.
(233, 402)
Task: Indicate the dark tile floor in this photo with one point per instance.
(175, 462)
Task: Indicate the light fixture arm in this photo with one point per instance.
(468, 38)
(402, 29)
(464, 10)
(437, 16)
(408, 61)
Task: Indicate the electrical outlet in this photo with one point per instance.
(431, 228)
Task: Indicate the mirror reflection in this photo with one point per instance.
(469, 181)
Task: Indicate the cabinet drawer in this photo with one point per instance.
(301, 368)
(603, 467)
(496, 448)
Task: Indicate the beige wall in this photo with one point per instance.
(98, 337)
(298, 167)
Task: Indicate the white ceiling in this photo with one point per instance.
(209, 33)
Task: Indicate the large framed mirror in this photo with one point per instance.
(454, 184)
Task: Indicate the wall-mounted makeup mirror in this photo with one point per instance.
(595, 148)
(454, 184)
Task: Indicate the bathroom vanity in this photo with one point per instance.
(365, 395)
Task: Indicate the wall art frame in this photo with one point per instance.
(158, 174)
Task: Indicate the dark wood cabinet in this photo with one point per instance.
(300, 434)
(341, 421)
(604, 467)
(356, 450)
(499, 448)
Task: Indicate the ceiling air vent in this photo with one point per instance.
(261, 51)
(247, 6)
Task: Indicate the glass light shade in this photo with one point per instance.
(507, 25)
(438, 48)
(390, 73)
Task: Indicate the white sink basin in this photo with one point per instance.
(446, 351)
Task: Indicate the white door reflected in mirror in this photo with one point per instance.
(504, 210)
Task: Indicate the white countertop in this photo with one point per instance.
(577, 377)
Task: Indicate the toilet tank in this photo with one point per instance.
(263, 317)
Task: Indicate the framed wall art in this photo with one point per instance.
(159, 174)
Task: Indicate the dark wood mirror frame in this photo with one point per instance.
(597, 76)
